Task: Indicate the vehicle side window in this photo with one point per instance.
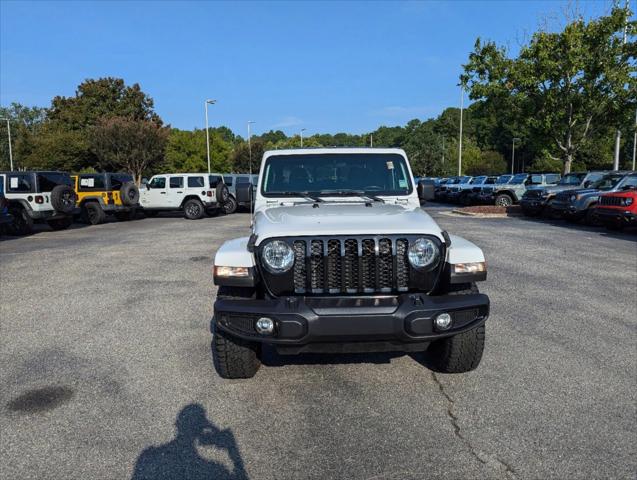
(214, 180)
(157, 182)
(228, 180)
(243, 180)
(630, 181)
(176, 182)
(536, 179)
(20, 183)
(552, 178)
(195, 182)
(92, 182)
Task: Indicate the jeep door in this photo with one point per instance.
(155, 196)
(176, 191)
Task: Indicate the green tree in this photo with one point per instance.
(563, 86)
(241, 156)
(133, 145)
(186, 151)
(25, 123)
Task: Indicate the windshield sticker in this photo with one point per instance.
(14, 182)
(390, 165)
(402, 183)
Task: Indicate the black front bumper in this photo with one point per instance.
(399, 319)
(533, 205)
(615, 215)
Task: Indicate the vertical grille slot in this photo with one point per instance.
(402, 265)
(368, 265)
(334, 279)
(385, 266)
(350, 266)
(300, 271)
(317, 267)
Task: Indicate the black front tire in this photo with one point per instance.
(193, 209)
(462, 352)
(22, 223)
(503, 200)
(234, 357)
(93, 213)
(230, 206)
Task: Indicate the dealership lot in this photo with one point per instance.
(106, 349)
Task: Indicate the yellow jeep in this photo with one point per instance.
(100, 194)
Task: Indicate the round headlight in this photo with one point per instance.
(573, 198)
(278, 257)
(628, 201)
(423, 253)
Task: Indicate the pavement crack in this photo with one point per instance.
(486, 459)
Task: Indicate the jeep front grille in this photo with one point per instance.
(351, 265)
(613, 201)
(533, 194)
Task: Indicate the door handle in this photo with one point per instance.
(163, 193)
(180, 192)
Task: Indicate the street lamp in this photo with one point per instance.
(460, 141)
(211, 102)
(250, 122)
(515, 139)
(302, 130)
(9, 133)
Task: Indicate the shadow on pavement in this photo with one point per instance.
(180, 458)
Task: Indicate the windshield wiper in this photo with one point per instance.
(305, 195)
(357, 193)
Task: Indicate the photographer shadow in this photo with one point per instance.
(180, 458)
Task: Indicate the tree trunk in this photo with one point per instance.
(568, 160)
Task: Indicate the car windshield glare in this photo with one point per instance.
(572, 179)
(607, 182)
(338, 174)
(503, 179)
(518, 179)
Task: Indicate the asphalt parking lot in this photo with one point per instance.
(107, 373)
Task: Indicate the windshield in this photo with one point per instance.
(572, 179)
(478, 180)
(629, 181)
(503, 179)
(339, 174)
(519, 178)
(607, 182)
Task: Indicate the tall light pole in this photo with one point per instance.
(302, 130)
(371, 140)
(635, 140)
(211, 102)
(9, 133)
(515, 139)
(460, 140)
(250, 122)
(618, 135)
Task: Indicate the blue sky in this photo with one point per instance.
(324, 66)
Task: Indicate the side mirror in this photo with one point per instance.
(587, 184)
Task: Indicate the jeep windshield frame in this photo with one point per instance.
(336, 175)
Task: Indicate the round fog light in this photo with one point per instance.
(443, 321)
(265, 326)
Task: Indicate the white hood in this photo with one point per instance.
(342, 219)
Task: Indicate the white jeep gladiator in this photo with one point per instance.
(193, 193)
(341, 258)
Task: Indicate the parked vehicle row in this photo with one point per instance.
(599, 196)
(57, 198)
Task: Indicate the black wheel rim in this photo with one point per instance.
(193, 210)
(92, 215)
(229, 206)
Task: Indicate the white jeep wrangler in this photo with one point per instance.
(193, 193)
(39, 197)
(343, 259)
